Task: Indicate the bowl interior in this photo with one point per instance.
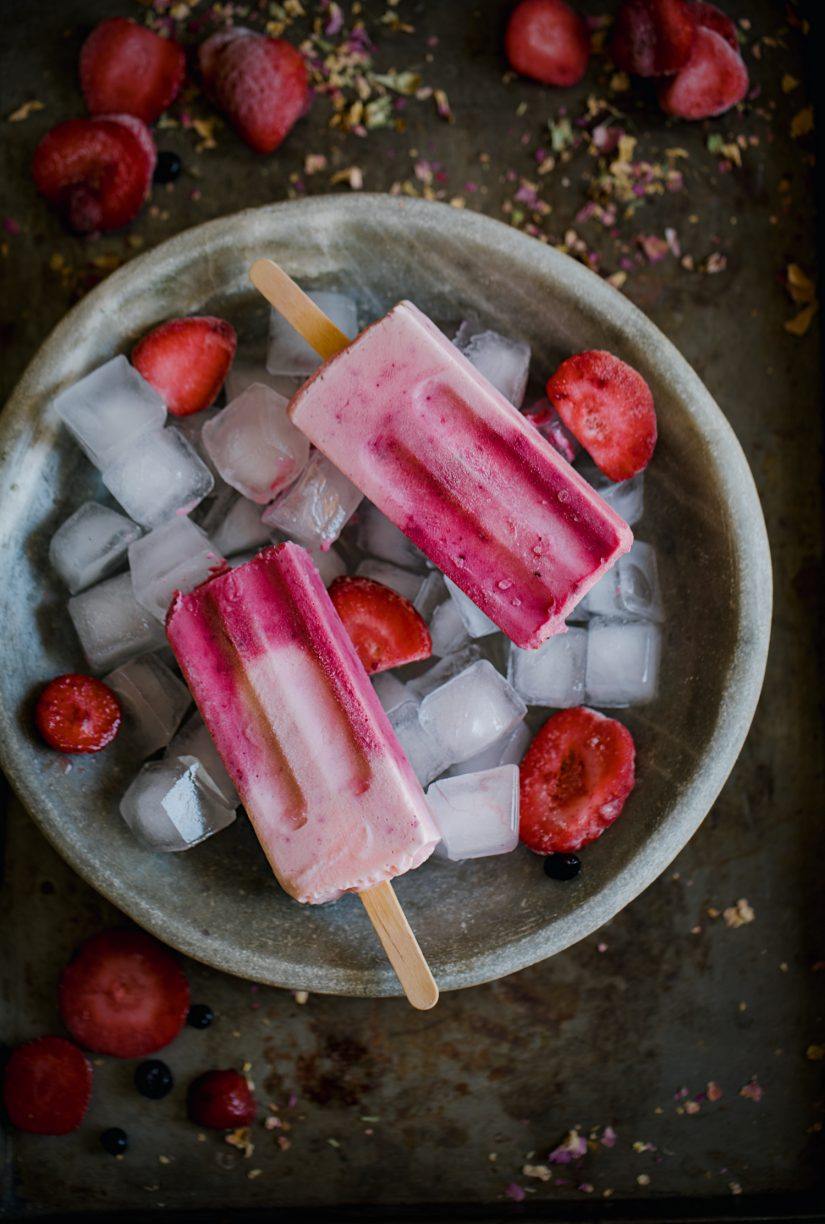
(475, 920)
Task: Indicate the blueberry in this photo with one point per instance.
(153, 1079)
(114, 1141)
(168, 167)
(562, 866)
(200, 1016)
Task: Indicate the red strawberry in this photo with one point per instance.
(653, 37)
(574, 780)
(187, 360)
(221, 1099)
(128, 69)
(712, 18)
(713, 81)
(385, 628)
(548, 41)
(259, 83)
(96, 171)
(608, 407)
(123, 993)
(77, 714)
(47, 1086)
(141, 132)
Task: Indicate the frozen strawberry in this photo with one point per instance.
(608, 407)
(47, 1085)
(77, 713)
(124, 994)
(712, 18)
(385, 628)
(96, 171)
(653, 37)
(187, 360)
(259, 83)
(142, 134)
(548, 41)
(220, 1100)
(127, 69)
(574, 780)
(714, 79)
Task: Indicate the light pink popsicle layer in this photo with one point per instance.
(328, 789)
(445, 456)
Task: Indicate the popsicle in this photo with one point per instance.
(330, 794)
(452, 463)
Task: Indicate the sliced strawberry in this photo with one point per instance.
(187, 360)
(712, 18)
(96, 171)
(608, 406)
(548, 41)
(574, 780)
(123, 993)
(47, 1086)
(653, 37)
(77, 714)
(220, 1100)
(259, 83)
(385, 628)
(141, 133)
(713, 81)
(127, 69)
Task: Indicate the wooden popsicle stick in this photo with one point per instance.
(401, 946)
(289, 299)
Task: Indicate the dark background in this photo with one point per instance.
(385, 1106)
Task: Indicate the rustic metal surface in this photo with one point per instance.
(666, 997)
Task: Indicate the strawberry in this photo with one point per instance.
(129, 70)
(77, 714)
(548, 41)
(712, 18)
(385, 628)
(124, 994)
(608, 407)
(259, 83)
(653, 37)
(714, 79)
(96, 171)
(47, 1086)
(220, 1100)
(186, 361)
(574, 780)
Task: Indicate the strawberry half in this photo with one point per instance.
(548, 41)
(385, 628)
(608, 407)
(96, 171)
(77, 713)
(127, 69)
(124, 994)
(712, 18)
(259, 83)
(574, 780)
(221, 1099)
(187, 360)
(653, 37)
(47, 1086)
(714, 79)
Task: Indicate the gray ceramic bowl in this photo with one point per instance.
(478, 920)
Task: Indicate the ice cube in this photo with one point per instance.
(471, 711)
(153, 701)
(175, 557)
(626, 497)
(402, 581)
(289, 353)
(237, 529)
(630, 588)
(505, 751)
(244, 373)
(315, 509)
(111, 624)
(547, 421)
(444, 670)
(109, 409)
(622, 662)
(194, 740)
(90, 545)
(160, 475)
(426, 755)
(553, 674)
(447, 629)
(477, 623)
(477, 814)
(379, 537)
(431, 593)
(391, 692)
(503, 362)
(255, 446)
(330, 564)
(172, 805)
(192, 429)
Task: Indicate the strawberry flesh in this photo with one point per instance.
(127, 69)
(385, 628)
(187, 361)
(653, 37)
(77, 713)
(712, 18)
(47, 1086)
(574, 780)
(548, 41)
(220, 1100)
(714, 79)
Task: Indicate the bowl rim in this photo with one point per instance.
(749, 545)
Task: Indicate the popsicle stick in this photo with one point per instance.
(289, 299)
(401, 946)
